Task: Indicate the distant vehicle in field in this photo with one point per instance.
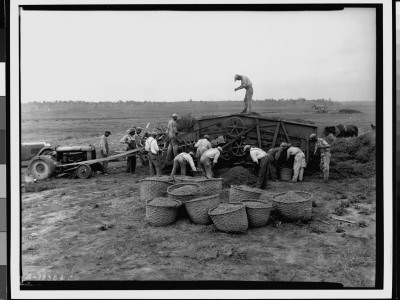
(51, 161)
(320, 109)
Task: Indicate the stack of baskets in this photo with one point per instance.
(294, 204)
(239, 193)
(177, 192)
(153, 187)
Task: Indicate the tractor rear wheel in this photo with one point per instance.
(41, 167)
(84, 171)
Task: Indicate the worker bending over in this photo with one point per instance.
(202, 146)
(181, 160)
(274, 154)
(245, 84)
(299, 162)
(260, 157)
(325, 151)
(208, 156)
(153, 154)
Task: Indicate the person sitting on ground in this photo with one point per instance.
(104, 150)
(202, 146)
(205, 160)
(181, 160)
(299, 162)
(172, 130)
(325, 152)
(129, 141)
(259, 157)
(153, 154)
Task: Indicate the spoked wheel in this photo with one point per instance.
(237, 148)
(235, 127)
(84, 171)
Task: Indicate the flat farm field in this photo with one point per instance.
(95, 229)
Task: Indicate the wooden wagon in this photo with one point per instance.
(238, 130)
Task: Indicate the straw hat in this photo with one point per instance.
(284, 145)
(313, 137)
(246, 147)
(236, 77)
(220, 149)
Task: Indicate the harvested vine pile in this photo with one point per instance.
(289, 197)
(224, 208)
(161, 201)
(353, 157)
(185, 190)
(186, 123)
(238, 176)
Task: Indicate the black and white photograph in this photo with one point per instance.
(188, 146)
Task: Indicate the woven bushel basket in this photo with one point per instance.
(237, 194)
(231, 221)
(153, 187)
(183, 198)
(198, 208)
(158, 215)
(207, 186)
(258, 216)
(294, 210)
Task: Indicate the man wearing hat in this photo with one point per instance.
(274, 155)
(172, 130)
(104, 150)
(260, 157)
(202, 146)
(299, 162)
(181, 160)
(208, 156)
(152, 152)
(131, 143)
(325, 152)
(245, 84)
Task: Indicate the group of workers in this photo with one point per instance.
(208, 152)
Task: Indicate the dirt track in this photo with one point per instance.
(95, 229)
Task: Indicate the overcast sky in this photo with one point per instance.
(177, 56)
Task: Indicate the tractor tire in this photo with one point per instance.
(84, 171)
(41, 167)
(45, 151)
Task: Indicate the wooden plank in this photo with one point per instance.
(343, 220)
(276, 134)
(258, 133)
(284, 130)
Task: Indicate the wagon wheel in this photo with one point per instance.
(235, 127)
(226, 155)
(84, 171)
(237, 148)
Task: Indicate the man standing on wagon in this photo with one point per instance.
(245, 84)
(325, 151)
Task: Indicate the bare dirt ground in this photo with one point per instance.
(95, 229)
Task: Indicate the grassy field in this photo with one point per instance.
(95, 229)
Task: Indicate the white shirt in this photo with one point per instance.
(151, 145)
(246, 82)
(293, 151)
(256, 154)
(203, 144)
(212, 153)
(186, 157)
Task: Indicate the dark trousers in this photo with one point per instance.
(263, 173)
(131, 164)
